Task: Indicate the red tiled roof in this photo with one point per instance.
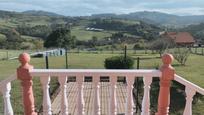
(180, 37)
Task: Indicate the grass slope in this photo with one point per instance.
(82, 34)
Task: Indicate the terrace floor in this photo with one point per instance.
(89, 98)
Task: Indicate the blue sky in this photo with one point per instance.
(88, 7)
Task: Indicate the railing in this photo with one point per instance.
(81, 73)
(5, 88)
(25, 71)
(190, 90)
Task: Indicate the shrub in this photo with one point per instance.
(181, 55)
(119, 62)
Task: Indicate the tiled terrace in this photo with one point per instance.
(89, 98)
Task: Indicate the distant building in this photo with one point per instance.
(180, 38)
(94, 29)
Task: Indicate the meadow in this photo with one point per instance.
(82, 34)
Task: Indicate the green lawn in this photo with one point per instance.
(4, 54)
(193, 70)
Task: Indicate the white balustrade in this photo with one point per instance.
(113, 97)
(45, 80)
(189, 98)
(63, 92)
(5, 88)
(146, 98)
(190, 90)
(44, 74)
(6, 95)
(96, 80)
(80, 98)
(129, 101)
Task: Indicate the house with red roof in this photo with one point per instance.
(180, 38)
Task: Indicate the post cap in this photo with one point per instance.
(167, 58)
(24, 58)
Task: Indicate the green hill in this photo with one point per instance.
(157, 18)
(196, 30)
(40, 24)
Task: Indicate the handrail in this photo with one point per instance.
(189, 84)
(5, 88)
(7, 80)
(102, 72)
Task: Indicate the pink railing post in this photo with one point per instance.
(165, 84)
(26, 82)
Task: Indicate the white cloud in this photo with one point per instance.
(84, 7)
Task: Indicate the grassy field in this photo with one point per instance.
(2, 36)
(82, 34)
(193, 70)
(29, 37)
(4, 54)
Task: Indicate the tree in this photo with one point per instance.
(60, 38)
(38, 44)
(27, 45)
(2, 41)
(117, 37)
(93, 42)
(135, 47)
(161, 44)
(140, 45)
(113, 47)
(13, 40)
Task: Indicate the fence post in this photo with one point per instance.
(26, 82)
(7, 55)
(66, 58)
(138, 62)
(196, 50)
(46, 61)
(165, 84)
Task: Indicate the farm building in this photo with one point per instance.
(180, 38)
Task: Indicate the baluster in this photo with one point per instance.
(146, 99)
(26, 83)
(63, 92)
(129, 100)
(7, 102)
(113, 100)
(80, 98)
(189, 98)
(45, 80)
(96, 80)
(165, 84)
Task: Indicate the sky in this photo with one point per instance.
(88, 7)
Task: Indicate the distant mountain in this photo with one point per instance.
(41, 13)
(156, 18)
(9, 14)
(162, 19)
